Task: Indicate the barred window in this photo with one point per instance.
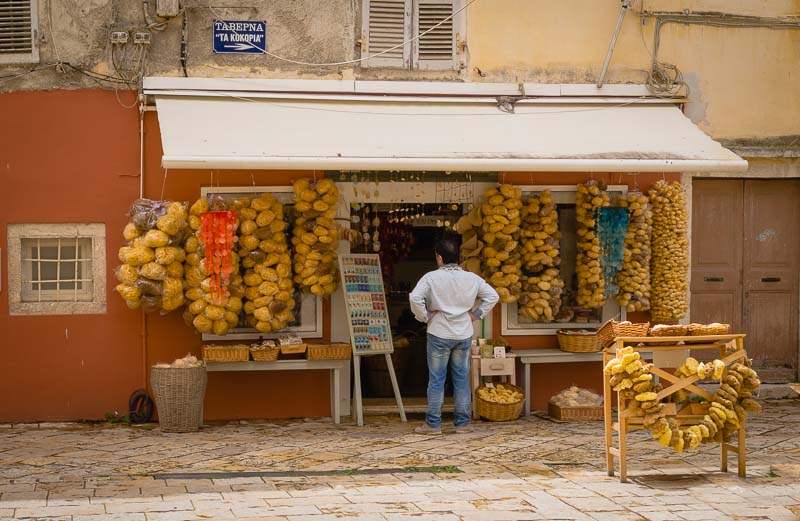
(57, 268)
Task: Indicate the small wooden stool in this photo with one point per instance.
(480, 367)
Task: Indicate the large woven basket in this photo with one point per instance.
(329, 351)
(613, 329)
(179, 394)
(499, 412)
(579, 343)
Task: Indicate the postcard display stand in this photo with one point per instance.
(730, 349)
(368, 319)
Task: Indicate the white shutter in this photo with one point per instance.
(387, 25)
(434, 49)
(18, 27)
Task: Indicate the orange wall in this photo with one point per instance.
(72, 156)
(230, 395)
(549, 379)
(68, 156)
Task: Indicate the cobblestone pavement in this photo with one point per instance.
(312, 470)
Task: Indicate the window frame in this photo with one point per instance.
(18, 233)
(562, 194)
(411, 58)
(33, 55)
(310, 303)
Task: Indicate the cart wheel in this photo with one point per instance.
(140, 407)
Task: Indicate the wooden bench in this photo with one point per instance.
(336, 367)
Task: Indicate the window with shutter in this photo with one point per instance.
(435, 47)
(387, 28)
(18, 27)
(415, 34)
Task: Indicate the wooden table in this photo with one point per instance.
(554, 356)
(334, 366)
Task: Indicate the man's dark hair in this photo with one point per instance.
(448, 250)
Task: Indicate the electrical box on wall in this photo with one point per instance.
(167, 8)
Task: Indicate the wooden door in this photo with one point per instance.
(717, 224)
(745, 264)
(770, 275)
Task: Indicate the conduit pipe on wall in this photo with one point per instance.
(623, 10)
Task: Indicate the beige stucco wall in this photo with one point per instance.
(743, 82)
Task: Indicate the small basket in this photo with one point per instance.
(236, 353)
(293, 349)
(329, 352)
(573, 343)
(575, 413)
(265, 354)
(613, 329)
(500, 412)
(706, 330)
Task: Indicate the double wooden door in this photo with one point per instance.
(745, 265)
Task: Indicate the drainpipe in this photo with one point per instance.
(141, 144)
(623, 10)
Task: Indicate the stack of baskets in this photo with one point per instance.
(179, 394)
(613, 329)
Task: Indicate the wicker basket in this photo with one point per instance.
(179, 394)
(237, 353)
(575, 413)
(293, 349)
(579, 343)
(613, 329)
(266, 354)
(708, 329)
(499, 412)
(329, 352)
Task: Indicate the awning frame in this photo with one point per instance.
(481, 144)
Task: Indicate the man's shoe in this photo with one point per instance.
(464, 429)
(427, 429)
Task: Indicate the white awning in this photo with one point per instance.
(246, 130)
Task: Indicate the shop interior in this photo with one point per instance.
(404, 236)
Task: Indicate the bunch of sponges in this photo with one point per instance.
(315, 236)
(500, 233)
(152, 261)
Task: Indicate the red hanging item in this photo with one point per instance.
(217, 235)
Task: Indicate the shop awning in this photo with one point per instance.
(248, 130)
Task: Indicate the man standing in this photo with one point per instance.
(444, 300)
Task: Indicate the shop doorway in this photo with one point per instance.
(404, 236)
(745, 265)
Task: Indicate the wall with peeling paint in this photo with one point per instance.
(742, 81)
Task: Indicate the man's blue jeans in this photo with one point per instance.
(456, 352)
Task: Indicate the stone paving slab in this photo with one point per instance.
(528, 469)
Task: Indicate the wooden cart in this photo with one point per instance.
(731, 350)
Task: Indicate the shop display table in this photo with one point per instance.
(334, 366)
(554, 356)
(505, 367)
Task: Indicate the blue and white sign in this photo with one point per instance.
(240, 36)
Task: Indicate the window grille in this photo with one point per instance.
(57, 270)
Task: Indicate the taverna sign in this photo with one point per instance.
(240, 36)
